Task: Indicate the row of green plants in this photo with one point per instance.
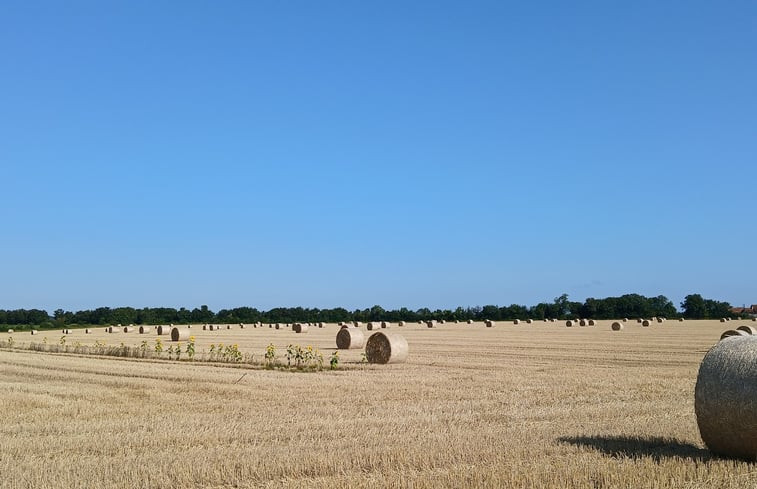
(295, 358)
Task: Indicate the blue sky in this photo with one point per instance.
(411, 154)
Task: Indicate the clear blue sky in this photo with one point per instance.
(411, 154)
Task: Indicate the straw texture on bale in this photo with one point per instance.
(384, 347)
(733, 332)
(349, 338)
(300, 328)
(748, 329)
(724, 398)
(144, 329)
(179, 334)
(617, 326)
(646, 322)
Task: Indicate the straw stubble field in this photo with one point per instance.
(537, 405)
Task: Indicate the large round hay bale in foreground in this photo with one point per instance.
(646, 323)
(724, 398)
(747, 329)
(179, 334)
(300, 328)
(349, 338)
(384, 347)
(734, 332)
(616, 326)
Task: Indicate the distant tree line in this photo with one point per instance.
(630, 305)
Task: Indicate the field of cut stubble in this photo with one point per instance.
(537, 405)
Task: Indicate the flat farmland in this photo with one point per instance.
(538, 405)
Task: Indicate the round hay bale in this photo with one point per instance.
(442, 321)
(385, 324)
(384, 347)
(87, 331)
(277, 325)
(10, 331)
(727, 319)
(34, 331)
(128, 329)
(349, 338)
(300, 328)
(515, 321)
(204, 327)
(625, 320)
(570, 323)
(144, 329)
(680, 320)
(554, 320)
(357, 324)
(583, 322)
(722, 320)
(241, 325)
(457, 321)
(616, 326)
(646, 323)
(733, 332)
(371, 326)
(659, 320)
(639, 320)
(431, 323)
(470, 321)
(724, 398)
(112, 329)
(489, 323)
(164, 330)
(747, 329)
(179, 334)
(592, 322)
(754, 319)
(529, 321)
(401, 324)
(321, 324)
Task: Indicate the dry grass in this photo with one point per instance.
(473, 406)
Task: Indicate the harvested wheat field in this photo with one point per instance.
(537, 405)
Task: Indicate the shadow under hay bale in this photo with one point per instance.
(630, 447)
(724, 398)
(384, 347)
(349, 338)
